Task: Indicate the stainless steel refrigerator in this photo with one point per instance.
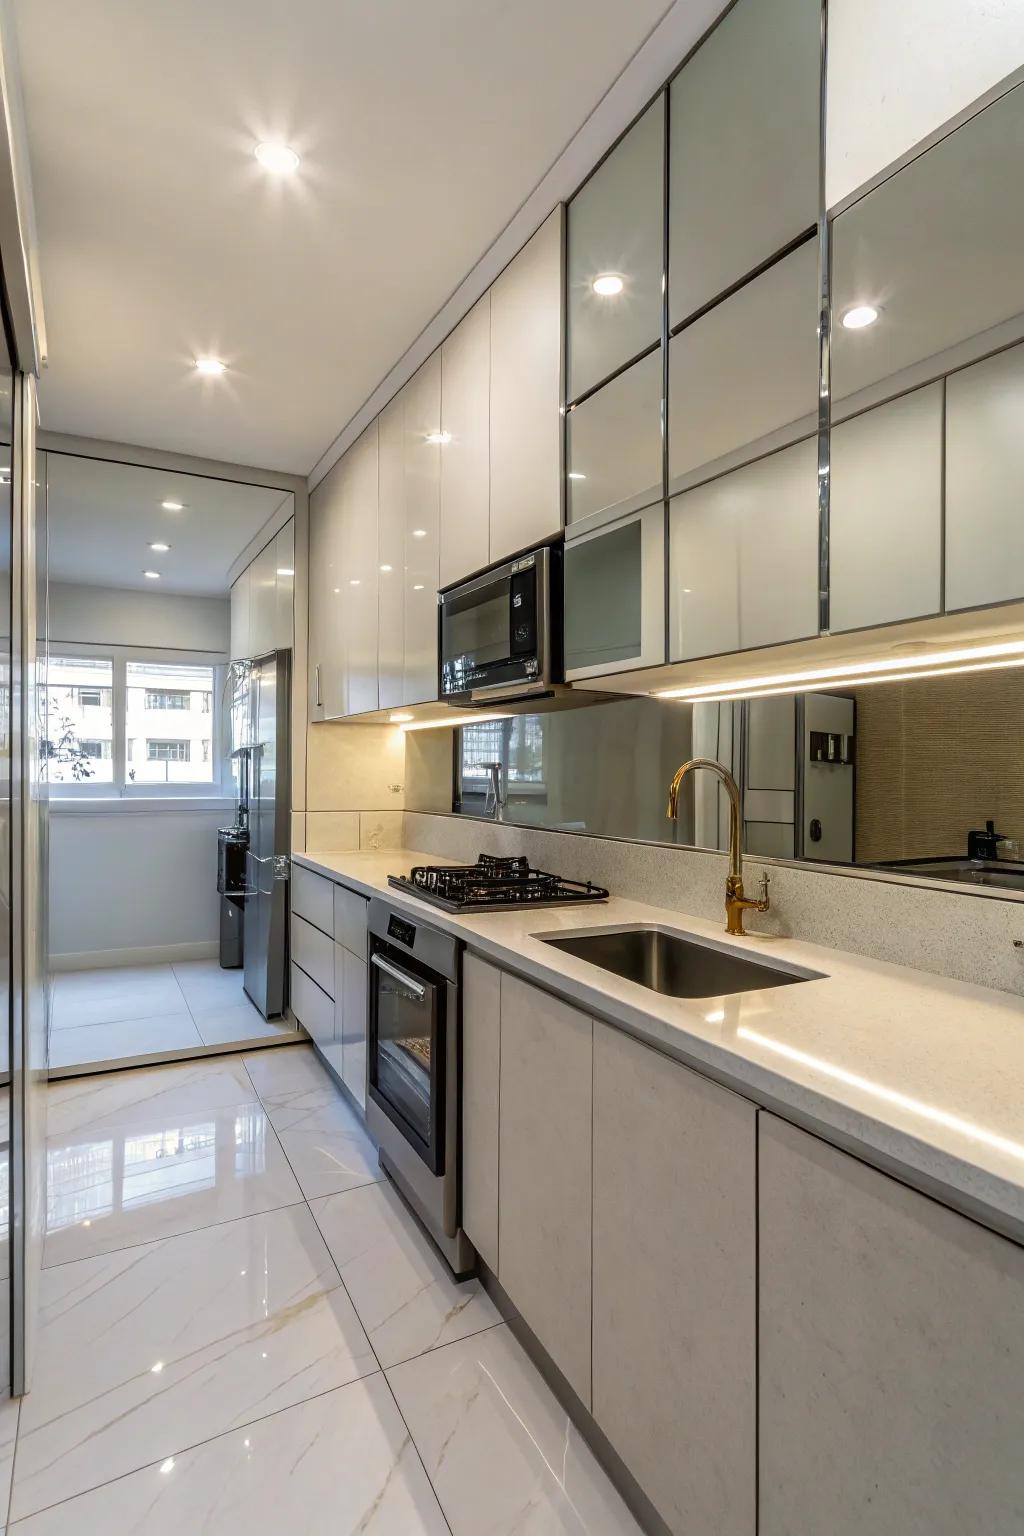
(266, 897)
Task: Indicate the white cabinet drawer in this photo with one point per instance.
(314, 951)
(313, 898)
(350, 920)
(312, 1007)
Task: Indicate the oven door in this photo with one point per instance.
(406, 1049)
(494, 630)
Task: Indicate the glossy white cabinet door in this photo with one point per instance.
(526, 422)
(240, 609)
(466, 454)
(391, 551)
(897, 73)
(891, 1355)
(675, 1302)
(360, 573)
(481, 1062)
(422, 426)
(744, 154)
(284, 593)
(263, 601)
(885, 519)
(544, 1172)
(327, 662)
(984, 473)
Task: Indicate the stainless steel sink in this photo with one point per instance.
(676, 965)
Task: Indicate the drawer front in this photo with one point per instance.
(353, 1054)
(313, 898)
(312, 1007)
(314, 951)
(350, 920)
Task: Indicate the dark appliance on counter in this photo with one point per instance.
(232, 848)
(492, 883)
(501, 633)
(413, 1069)
(982, 845)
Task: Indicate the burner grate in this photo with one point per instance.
(494, 882)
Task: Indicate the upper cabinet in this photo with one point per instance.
(526, 395)
(262, 599)
(360, 574)
(241, 603)
(616, 257)
(422, 531)
(744, 158)
(465, 540)
(327, 674)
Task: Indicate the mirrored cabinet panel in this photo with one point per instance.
(744, 151)
(928, 288)
(615, 259)
(614, 443)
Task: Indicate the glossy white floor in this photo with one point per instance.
(243, 1331)
(145, 1010)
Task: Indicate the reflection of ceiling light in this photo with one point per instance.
(400, 719)
(717, 1017)
(285, 570)
(447, 721)
(355, 582)
(574, 474)
(859, 316)
(156, 1369)
(277, 158)
(160, 549)
(419, 533)
(173, 506)
(210, 366)
(418, 587)
(151, 575)
(336, 591)
(608, 284)
(892, 669)
(168, 1465)
(439, 437)
(386, 568)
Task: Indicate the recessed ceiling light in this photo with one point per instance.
(608, 284)
(210, 366)
(285, 570)
(277, 158)
(160, 549)
(173, 506)
(574, 474)
(419, 533)
(386, 568)
(151, 575)
(859, 316)
(439, 437)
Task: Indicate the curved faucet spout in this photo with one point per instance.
(735, 901)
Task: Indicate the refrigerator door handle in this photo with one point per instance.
(319, 700)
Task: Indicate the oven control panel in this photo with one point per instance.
(401, 930)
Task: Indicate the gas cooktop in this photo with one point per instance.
(492, 882)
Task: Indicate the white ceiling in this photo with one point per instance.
(102, 516)
(422, 127)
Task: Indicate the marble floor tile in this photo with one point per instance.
(159, 1171)
(82, 998)
(291, 1079)
(225, 1023)
(499, 1450)
(328, 1147)
(206, 985)
(404, 1293)
(340, 1465)
(147, 1350)
(104, 1099)
(10, 1407)
(123, 1039)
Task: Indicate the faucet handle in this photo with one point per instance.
(763, 899)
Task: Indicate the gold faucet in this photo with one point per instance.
(735, 901)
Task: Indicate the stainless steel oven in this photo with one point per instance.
(413, 1070)
(501, 633)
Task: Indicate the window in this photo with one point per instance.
(78, 730)
(517, 744)
(98, 749)
(167, 699)
(91, 698)
(167, 751)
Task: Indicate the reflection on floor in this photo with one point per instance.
(141, 1010)
(242, 1330)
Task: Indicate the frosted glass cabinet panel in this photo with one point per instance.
(422, 426)
(984, 474)
(615, 232)
(885, 525)
(614, 596)
(744, 377)
(743, 161)
(614, 452)
(743, 557)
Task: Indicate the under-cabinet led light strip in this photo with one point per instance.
(981, 658)
(447, 721)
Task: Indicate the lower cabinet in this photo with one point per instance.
(481, 1063)
(313, 1007)
(544, 1175)
(674, 1284)
(891, 1355)
(350, 999)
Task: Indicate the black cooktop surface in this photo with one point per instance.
(492, 882)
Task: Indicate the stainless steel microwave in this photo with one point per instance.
(501, 633)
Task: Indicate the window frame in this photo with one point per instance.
(121, 788)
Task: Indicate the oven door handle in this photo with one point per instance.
(383, 964)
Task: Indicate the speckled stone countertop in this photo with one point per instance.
(919, 1075)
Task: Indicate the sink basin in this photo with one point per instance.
(674, 964)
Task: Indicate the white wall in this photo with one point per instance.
(114, 616)
(124, 878)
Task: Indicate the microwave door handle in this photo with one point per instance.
(382, 964)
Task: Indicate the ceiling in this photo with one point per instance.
(422, 128)
(102, 517)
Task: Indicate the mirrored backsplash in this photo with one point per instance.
(904, 777)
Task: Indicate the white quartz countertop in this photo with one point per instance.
(922, 1076)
